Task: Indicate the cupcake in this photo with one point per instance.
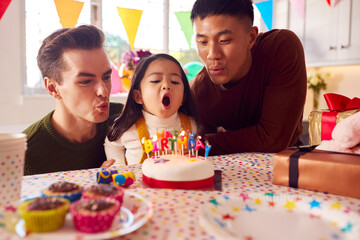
(104, 191)
(44, 214)
(94, 215)
(64, 189)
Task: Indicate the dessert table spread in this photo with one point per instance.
(246, 187)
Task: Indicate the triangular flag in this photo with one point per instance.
(266, 10)
(69, 12)
(3, 6)
(131, 20)
(332, 3)
(186, 25)
(299, 5)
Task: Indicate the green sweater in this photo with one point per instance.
(48, 152)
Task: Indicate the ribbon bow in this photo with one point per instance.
(337, 102)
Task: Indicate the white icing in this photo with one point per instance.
(178, 168)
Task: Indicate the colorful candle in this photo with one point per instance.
(155, 141)
(164, 144)
(182, 141)
(207, 148)
(148, 146)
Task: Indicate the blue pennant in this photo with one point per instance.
(266, 11)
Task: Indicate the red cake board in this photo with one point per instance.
(211, 183)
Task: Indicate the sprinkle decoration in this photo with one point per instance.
(246, 179)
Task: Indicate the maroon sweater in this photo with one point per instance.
(263, 112)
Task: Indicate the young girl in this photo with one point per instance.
(159, 99)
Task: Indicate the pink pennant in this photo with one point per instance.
(3, 6)
(300, 7)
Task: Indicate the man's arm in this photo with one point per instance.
(282, 106)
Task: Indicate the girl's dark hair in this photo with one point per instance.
(237, 8)
(132, 110)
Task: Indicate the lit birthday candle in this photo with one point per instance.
(155, 141)
(182, 141)
(191, 143)
(173, 144)
(198, 145)
(148, 146)
(164, 144)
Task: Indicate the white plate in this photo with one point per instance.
(261, 216)
(135, 212)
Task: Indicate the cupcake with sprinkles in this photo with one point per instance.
(64, 189)
(44, 214)
(104, 191)
(94, 215)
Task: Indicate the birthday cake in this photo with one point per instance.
(178, 171)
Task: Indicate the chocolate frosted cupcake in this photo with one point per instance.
(44, 214)
(94, 215)
(104, 191)
(64, 189)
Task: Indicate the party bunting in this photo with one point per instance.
(186, 25)
(332, 3)
(3, 6)
(266, 10)
(299, 6)
(131, 20)
(69, 12)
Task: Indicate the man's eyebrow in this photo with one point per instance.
(85, 74)
(226, 31)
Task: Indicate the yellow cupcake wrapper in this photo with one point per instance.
(43, 220)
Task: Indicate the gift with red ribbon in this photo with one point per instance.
(322, 122)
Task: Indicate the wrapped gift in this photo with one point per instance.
(322, 122)
(317, 170)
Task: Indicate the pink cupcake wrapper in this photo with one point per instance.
(118, 197)
(94, 222)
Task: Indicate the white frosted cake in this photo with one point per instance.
(178, 171)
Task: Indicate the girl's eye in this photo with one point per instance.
(106, 78)
(175, 82)
(155, 81)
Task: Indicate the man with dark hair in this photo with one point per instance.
(251, 93)
(77, 73)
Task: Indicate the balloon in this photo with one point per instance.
(192, 68)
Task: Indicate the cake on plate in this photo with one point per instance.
(178, 171)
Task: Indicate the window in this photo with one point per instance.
(42, 19)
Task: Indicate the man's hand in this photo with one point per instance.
(107, 163)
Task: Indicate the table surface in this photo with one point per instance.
(176, 212)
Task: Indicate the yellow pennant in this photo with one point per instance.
(131, 20)
(68, 11)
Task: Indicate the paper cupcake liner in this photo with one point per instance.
(118, 196)
(72, 197)
(43, 220)
(95, 221)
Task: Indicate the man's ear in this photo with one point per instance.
(137, 96)
(253, 32)
(51, 87)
